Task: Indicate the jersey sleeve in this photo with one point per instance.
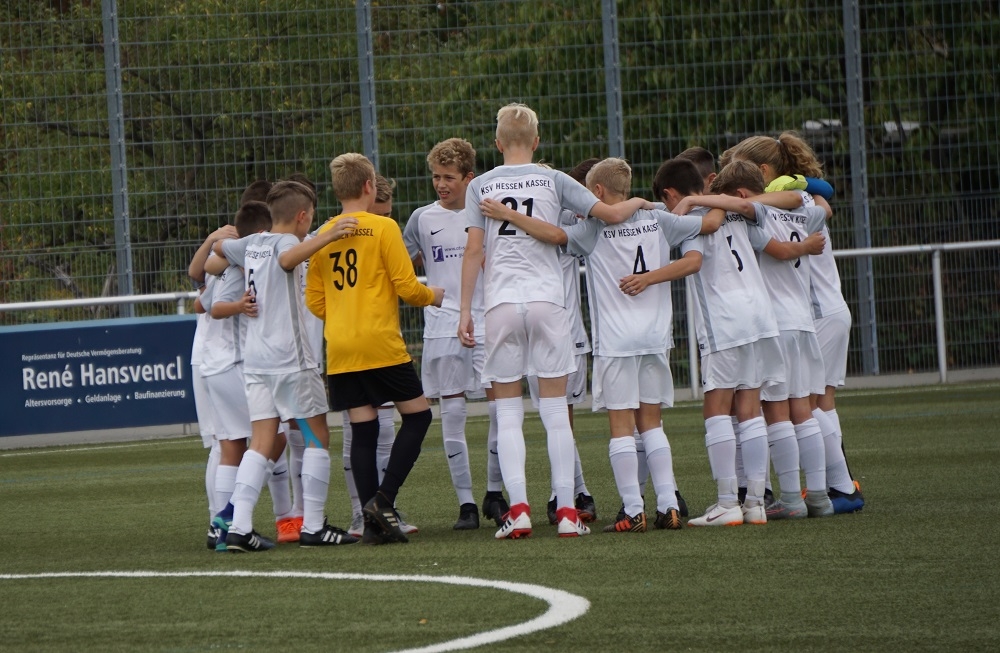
(581, 238)
(207, 297)
(411, 233)
(235, 250)
(758, 234)
(677, 228)
(474, 217)
(400, 268)
(231, 288)
(815, 218)
(573, 195)
(696, 244)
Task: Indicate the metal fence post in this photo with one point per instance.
(942, 348)
(119, 168)
(859, 186)
(612, 78)
(366, 80)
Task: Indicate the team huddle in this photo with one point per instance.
(501, 253)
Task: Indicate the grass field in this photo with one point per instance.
(917, 570)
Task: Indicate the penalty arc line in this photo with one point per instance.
(563, 606)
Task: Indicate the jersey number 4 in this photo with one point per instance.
(512, 204)
(348, 275)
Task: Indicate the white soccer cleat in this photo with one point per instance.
(572, 528)
(781, 510)
(357, 528)
(717, 515)
(819, 504)
(755, 515)
(514, 528)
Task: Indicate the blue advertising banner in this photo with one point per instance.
(107, 374)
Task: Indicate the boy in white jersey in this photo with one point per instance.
(632, 379)
(794, 437)
(435, 238)
(576, 383)
(281, 370)
(527, 329)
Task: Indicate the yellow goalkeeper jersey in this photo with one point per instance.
(354, 285)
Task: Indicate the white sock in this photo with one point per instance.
(554, 412)
(812, 455)
(214, 454)
(250, 478)
(785, 458)
(277, 484)
(453, 414)
(741, 475)
(296, 448)
(579, 485)
(510, 448)
(315, 486)
(624, 462)
(386, 436)
(494, 479)
(352, 489)
(720, 441)
(640, 453)
(225, 483)
(661, 468)
(838, 476)
(753, 440)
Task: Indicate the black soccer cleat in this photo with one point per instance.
(495, 507)
(468, 517)
(249, 543)
(550, 511)
(326, 536)
(586, 508)
(380, 513)
(682, 506)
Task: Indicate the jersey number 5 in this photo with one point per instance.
(348, 275)
(511, 203)
(739, 261)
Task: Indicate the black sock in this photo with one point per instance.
(405, 451)
(364, 443)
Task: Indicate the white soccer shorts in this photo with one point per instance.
(203, 408)
(746, 367)
(227, 391)
(527, 339)
(803, 368)
(622, 383)
(286, 396)
(834, 333)
(447, 368)
(576, 384)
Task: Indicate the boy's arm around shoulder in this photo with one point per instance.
(537, 229)
(788, 250)
(292, 256)
(620, 212)
(688, 264)
(196, 269)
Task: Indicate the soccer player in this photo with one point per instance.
(793, 435)
(632, 379)
(779, 159)
(527, 328)
(280, 368)
(435, 238)
(354, 285)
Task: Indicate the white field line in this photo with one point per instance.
(58, 449)
(563, 606)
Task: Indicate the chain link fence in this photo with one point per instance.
(129, 131)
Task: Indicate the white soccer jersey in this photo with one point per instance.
(277, 341)
(571, 284)
(225, 338)
(731, 305)
(313, 325)
(198, 343)
(440, 234)
(519, 268)
(824, 278)
(624, 325)
(787, 282)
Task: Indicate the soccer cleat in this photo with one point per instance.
(406, 528)
(586, 508)
(495, 507)
(221, 525)
(326, 536)
(373, 536)
(570, 524)
(380, 512)
(781, 510)
(516, 524)
(357, 525)
(669, 520)
(550, 511)
(717, 515)
(212, 538)
(741, 496)
(682, 506)
(249, 543)
(818, 504)
(846, 503)
(769, 499)
(628, 524)
(288, 529)
(755, 515)
(468, 517)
